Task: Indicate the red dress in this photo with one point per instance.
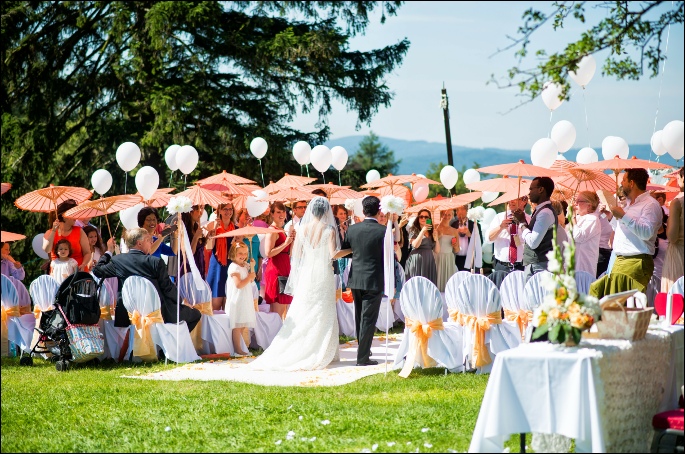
(278, 265)
(74, 239)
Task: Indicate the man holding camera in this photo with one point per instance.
(505, 235)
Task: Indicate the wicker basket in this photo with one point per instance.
(619, 322)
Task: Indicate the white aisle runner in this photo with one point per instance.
(337, 373)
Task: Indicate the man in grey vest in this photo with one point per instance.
(538, 234)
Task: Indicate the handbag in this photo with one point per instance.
(85, 341)
(282, 281)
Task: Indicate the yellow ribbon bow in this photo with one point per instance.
(7, 312)
(143, 347)
(479, 325)
(418, 350)
(23, 310)
(521, 317)
(196, 333)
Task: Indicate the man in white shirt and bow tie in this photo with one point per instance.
(506, 237)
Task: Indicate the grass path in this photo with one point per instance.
(91, 408)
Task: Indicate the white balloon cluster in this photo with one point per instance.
(321, 157)
(449, 176)
(613, 146)
(257, 204)
(258, 147)
(147, 182)
(550, 95)
(669, 140)
(545, 151)
(101, 181)
(471, 176)
(372, 175)
(586, 70)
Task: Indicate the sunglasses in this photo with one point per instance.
(424, 217)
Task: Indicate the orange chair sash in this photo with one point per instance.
(521, 317)
(418, 350)
(143, 346)
(479, 325)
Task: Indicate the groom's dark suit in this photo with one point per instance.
(366, 280)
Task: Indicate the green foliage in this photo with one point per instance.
(371, 154)
(80, 78)
(636, 28)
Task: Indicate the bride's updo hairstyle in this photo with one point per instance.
(319, 207)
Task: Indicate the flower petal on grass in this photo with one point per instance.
(425, 429)
(391, 443)
(428, 445)
(312, 439)
(167, 429)
(325, 422)
(374, 447)
(300, 417)
(278, 442)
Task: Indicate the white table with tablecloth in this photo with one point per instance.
(602, 393)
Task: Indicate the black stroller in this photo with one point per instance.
(78, 297)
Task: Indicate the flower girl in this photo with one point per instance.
(63, 266)
(240, 305)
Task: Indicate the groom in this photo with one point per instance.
(366, 275)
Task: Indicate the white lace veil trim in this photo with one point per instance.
(310, 231)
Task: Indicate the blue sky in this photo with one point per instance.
(453, 42)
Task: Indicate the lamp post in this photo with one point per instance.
(444, 103)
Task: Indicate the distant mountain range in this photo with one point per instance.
(417, 155)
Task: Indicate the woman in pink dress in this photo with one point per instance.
(277, 248)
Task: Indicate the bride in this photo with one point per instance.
(308, 339)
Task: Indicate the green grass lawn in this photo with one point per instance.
(92, 408)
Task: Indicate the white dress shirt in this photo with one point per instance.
(501, 243)
(587, 233)
(636, 231)
(543, 220)
(605, 236)
(295, 221)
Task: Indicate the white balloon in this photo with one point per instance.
(128, 156)
(420, 192)
(37, 244)
(170, 157)
(471, 176)
(560, 157)
(321, 158)
(449, 176)
(258, 147)
(489, 196)
(302, 152)
(339, 157)
(613, 146)
(488, 215)
(147, 181)
(564, 134)
(101, 181)
(672, 138)
(129, 216)
(187, 158)
(657, 144)
(550, 95)
(372, 175)
(586, 70)
(359, 207)
(260, 195)
(543, 153)
(255, 207)
(586, 155)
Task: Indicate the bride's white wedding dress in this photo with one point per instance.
(308, 339)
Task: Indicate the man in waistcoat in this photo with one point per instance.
(538, 233)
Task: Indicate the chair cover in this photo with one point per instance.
(583, 281)
(138, 294)
(215, 333)
(345, 313)
(478, 296)
(43, 291)
(677, 286)
(23, 293)
(17, 327)
(534, 291)
(421, 303)
(512, 294)
(451, 296)
(114, 336)
(267, 326)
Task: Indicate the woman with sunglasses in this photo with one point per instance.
(424, 243)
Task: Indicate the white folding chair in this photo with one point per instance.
(18, 326)
(345, 313)
(422, 306)
(511, 292)
(114, 336)
(268, 324)
(214, 329)
(534, 294)
(479, 298)
(139, 295)
(583, 281)
(453, 284)
(43, 291)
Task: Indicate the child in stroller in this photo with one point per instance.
(78, 300)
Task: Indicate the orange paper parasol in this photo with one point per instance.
(617, 164)
(104, 206)
(291, 181)
(520, 169)
(46, 199)
(445, 203)
(6, 187)
(579, 179)
(340, 192)
(504, 184)
(394, 180)
(159, 199)
(399, 190)
(225, 177)
(290, 195)
(6, 237)
(202, 196)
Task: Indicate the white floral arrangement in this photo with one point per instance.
(392, 204)
(179, 204)
(475, 214)
(349, 204)
(564, 313)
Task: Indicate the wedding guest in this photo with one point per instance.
(505, 235)
(423, 239)
(444, 260)
(342, 219)
(299, 209)
(11, 267)
(587, 232)
(562, 235)
(219, 261)
(673, 262)
(149, 220)
(97, 246)
(277, 248)
(65, 228)
(263, 220)
(63, 266)
(243, 220)
(634, 239)
(464, 228)
(404, 239)
(538, 233)
(605, 239)
(240, 304)
(661, 198)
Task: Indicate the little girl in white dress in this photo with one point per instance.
(240, 304)
(63, 266)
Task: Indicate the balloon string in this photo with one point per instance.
(587, 124)
(339, 179)
(549, 134)
(171, 176)
(125, 181)
(261, 172)
(307, 166)
(185, 180)
(323, 177)
(661, 84)
(301, 170)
